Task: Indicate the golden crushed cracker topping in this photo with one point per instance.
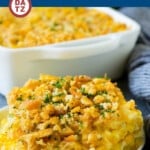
(77, 113)
(52, 25)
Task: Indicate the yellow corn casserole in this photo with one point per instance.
(52, 25)
(70, 113)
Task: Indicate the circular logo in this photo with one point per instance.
(20, 8)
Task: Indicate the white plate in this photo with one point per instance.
(4, 113)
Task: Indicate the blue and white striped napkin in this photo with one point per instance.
(139, 72)
(139, 61)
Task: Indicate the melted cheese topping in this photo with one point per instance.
(52, 25)
(73, 113)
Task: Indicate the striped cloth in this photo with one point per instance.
(142, 16)
(139, 61)
(139, 72)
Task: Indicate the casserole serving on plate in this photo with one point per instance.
(90, 53)
(71, 112)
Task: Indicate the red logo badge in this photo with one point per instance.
(20, 8)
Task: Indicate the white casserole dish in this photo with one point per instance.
(91, 56)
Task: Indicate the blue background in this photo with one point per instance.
(114, 3)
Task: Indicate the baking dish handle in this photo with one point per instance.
(62, 51)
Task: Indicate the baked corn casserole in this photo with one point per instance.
(70, 113)
(54, 24)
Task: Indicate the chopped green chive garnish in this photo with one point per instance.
(83, 91)
(69, 115)
(102, 113)
(48, 98)
(19, 98)
(61, 116)
(81, 124)
(59, 83)
(56, 103)
(54, 26)
(102, 92)
(99, 106)
(31, 97)
(59, 94)
(107, 101)
(110, 111)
